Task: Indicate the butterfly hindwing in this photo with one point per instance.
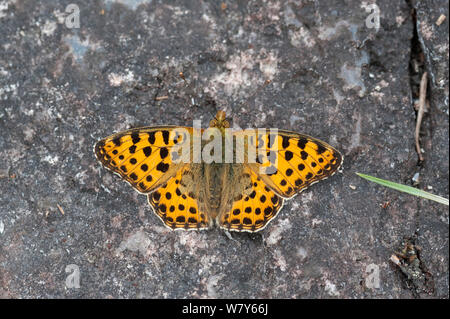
(252, 209)
(176, 203)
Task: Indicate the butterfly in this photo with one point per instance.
(239, 186)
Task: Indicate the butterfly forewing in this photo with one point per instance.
(142, 156)
(294, 161)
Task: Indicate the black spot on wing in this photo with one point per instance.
(302, 142)
(135, 137)
(165, 135)
(116, 141)
(147, 151)
(320, 149)
(288, 155)
(163, 152)
(285, 143)
(303, 155)
(151, 137)
(162, 167)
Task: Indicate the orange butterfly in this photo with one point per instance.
(236, 196)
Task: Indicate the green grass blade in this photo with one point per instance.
(405, 189)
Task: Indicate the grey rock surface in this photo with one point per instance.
(334, 75)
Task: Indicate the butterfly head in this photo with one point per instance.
(220, 121)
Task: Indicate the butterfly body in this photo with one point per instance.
(233, 194)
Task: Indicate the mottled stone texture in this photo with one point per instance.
(333, 77)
